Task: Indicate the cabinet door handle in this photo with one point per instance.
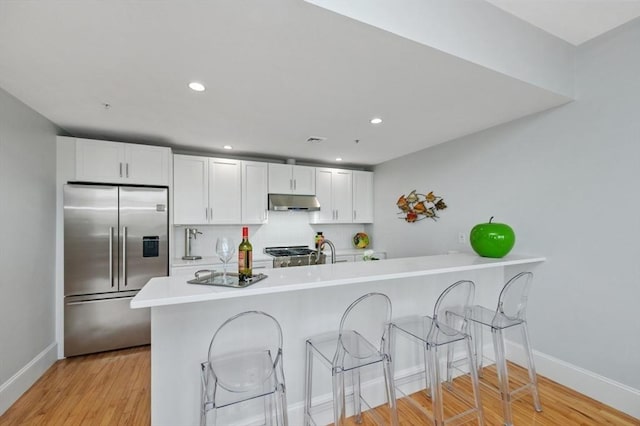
(211, 214)
(291, 184)
(206, 213)
(126, 168)
(355, 215)
(120, 169)
(295, 184)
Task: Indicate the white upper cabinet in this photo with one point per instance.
(334, 193)
(326, 214)
(190, 190)
(225, 188)
(291, 179)
(304, 180)
(116, 162)
(362, 197)
(147, 165)
(254, 192)
(206, 190)
(99, 161)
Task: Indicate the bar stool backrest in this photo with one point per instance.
(245, 351)
(369, 317)
(457, 298)
(512, 302)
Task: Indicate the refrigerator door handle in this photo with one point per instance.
(124, 255)
(111, 255)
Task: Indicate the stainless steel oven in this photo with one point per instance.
(284, 257)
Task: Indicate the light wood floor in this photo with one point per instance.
(113, 388)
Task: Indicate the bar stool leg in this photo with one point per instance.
(450, 347)
(268, 409)
(308, 385)
(214, 417)
(338, 399)
(436, 386)
(283, 406)
(478, 341)
(391, 393)
(357, 403)
(533, 378)
(474, 380)
(503, 376)
(427, 375)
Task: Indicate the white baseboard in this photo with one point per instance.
(18, 384)
(617, 395)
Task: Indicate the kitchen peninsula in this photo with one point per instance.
(306, 301)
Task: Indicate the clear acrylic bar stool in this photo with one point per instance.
(361, 340)
(440, 331)
(244, 364)
(510, 313)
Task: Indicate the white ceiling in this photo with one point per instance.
(276, 72)
(575, 21)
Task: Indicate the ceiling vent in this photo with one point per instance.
(314, 139)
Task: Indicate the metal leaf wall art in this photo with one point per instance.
(415, 207)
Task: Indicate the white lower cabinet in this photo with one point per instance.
(117, 162)
(344, 258)
(377, 254)
(189, 271)
(206, 190)
(261, 265)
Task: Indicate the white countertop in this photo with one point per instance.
(258, 257)
(174, 290)
(212, 260)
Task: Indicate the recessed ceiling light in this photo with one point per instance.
(227, 147)
(375, 120)
(338, 159)
(197, 87)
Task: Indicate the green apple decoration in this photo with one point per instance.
(492, 239)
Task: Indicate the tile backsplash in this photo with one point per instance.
(284, 228)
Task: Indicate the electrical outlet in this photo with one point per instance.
(462, 238)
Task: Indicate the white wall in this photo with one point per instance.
(567, 181)
(27, 247)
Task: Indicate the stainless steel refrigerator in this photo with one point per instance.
(115, 240)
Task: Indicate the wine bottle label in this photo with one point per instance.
(245, 259)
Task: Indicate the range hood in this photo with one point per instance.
(284, 202)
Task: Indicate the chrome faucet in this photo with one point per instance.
(333, 250)
(188, 233)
